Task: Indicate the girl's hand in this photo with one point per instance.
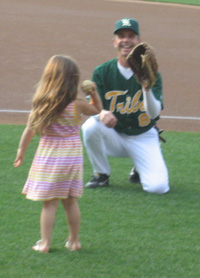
(19, 159)
(88, 87)
(23, 144)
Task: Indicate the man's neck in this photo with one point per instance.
(123, 62)
(125, 72)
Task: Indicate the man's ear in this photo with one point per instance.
(114, 42)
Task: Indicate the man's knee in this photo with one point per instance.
(89, 128)
(156, 185)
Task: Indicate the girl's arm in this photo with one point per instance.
(23, 144)
(94, 106)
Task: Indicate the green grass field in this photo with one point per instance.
(124, 232)
(187, 2)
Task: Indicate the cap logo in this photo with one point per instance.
(126, 22)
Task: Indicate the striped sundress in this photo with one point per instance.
(56, 171)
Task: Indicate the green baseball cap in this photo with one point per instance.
(127, 23)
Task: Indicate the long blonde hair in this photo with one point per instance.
(57, 87)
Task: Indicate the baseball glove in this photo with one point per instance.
(143, 62)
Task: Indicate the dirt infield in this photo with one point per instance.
(32, 31)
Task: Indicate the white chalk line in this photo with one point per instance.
(162, 117)
(180, 118)
(179, 5)
(14, 111)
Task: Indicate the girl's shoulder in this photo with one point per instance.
(70, 106)
(79, 102)
(69, 109)
(70, 112)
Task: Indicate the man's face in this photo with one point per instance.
(124, 41)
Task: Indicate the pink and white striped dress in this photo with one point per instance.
(56, 171)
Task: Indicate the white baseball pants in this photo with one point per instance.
(144, 151)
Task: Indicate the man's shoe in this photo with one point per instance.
(134, 176)
(98, 180)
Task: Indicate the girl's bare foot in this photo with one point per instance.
(73, 246)
(40, 247)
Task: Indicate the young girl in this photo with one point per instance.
(56, 171)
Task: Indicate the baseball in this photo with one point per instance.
(87, 86)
